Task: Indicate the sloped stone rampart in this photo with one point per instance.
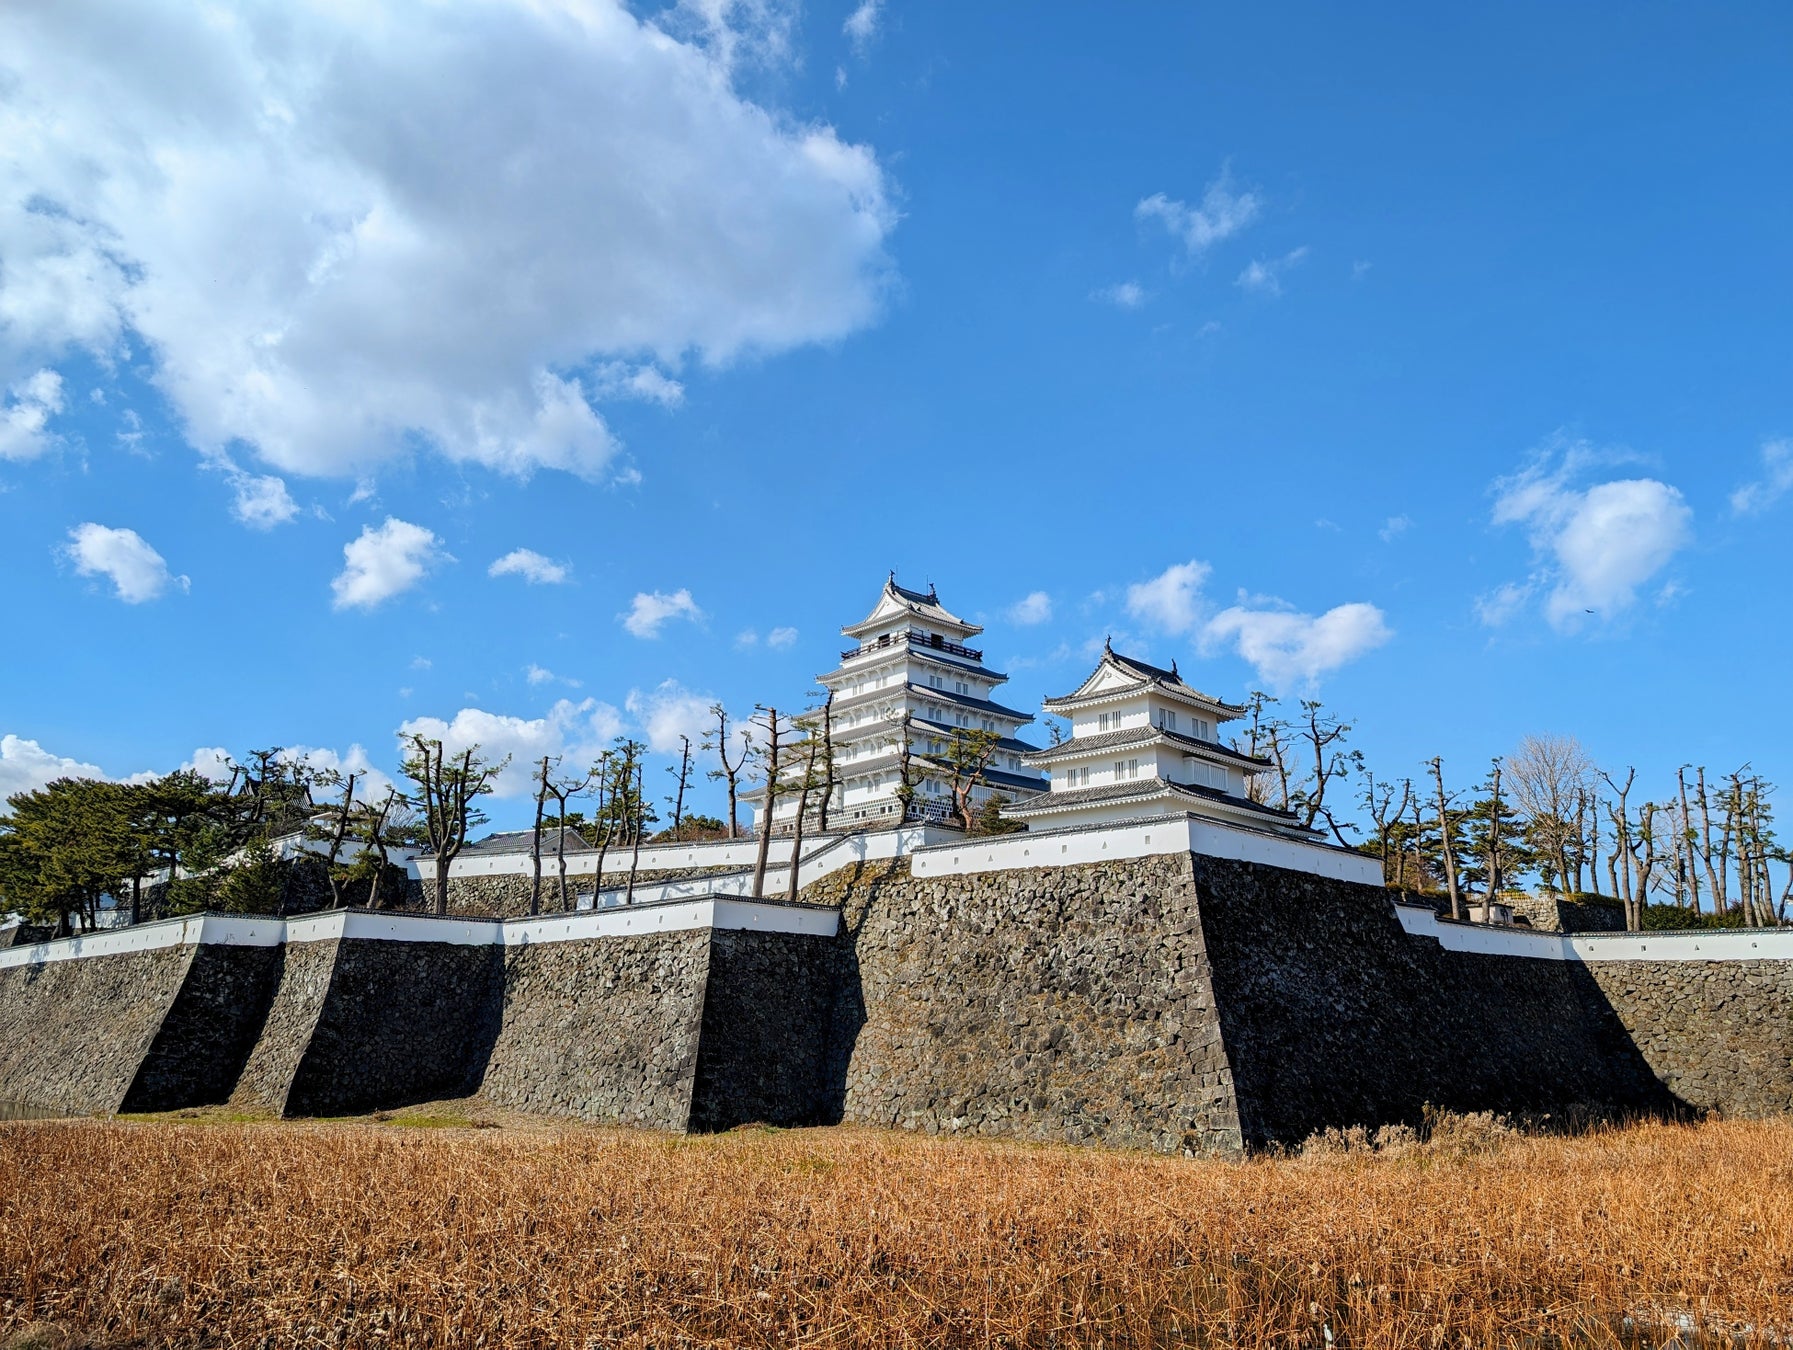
(763, 1055)
(73, 1033)
(605, 1030)
(1071, 1004)
(1717, 1034)
(209, 1030)
(401, 1022)
(302, 985)
(1333, 1016)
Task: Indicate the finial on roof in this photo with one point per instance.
(1173, 669)
(1107, 646)
(932, 593)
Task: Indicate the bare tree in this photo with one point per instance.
(564, 790)
(769, 754)
(340, 819)
(1494, 833)
(1447, 838)
(1549, 776)
(717, 742)
(682, 776)
(1621, 862)
(535, 838)
(448, 789)
(372, 822)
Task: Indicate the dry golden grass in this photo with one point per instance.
(166, 1234)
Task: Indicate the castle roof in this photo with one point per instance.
(958, 700)
(1117, 676)
(1201, 801)
(1131, 737)
(896, 601)
(522, 841)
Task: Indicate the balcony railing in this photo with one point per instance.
(926, 641)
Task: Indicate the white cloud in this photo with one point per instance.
(1287, 648)
(383, 562)
(370, 783)
(780, 638)
(1122, 295)
(1263, 276)
(1360, 269)
(747, 639)
(1223, 213)
(31, 403)
(1172, 600)
(1035, 607)
(668, 711)
(540, 674)
(651, 611)
(136, 571)
(576, 731)
(1596, 545)
(619, 379)
(346, 230)
(531, 566)
(26, 766)
(1776, 480)
(261, 501)
(861, 27)
(1394, 528)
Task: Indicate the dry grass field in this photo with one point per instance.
(364, 1234)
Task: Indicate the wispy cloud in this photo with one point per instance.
(861, 27)
(1263, 276)
(385, 562)
(531, 566)
(1287, 648)
(1223, 213)
(1172, 600)
(25, 416)
(1776, 480)
(1122, 295)
(137, 572)
(1595, 545)
(652, 610)
(1033, 608)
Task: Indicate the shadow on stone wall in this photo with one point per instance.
(1334, 1016)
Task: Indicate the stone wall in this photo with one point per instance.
(507, 896)
(364, 1025)
(763, 1054)
(74, 1033)
(602, 1030)
(1333, 1016)
(1718, 1034)
(209, 1030)
(1067, 1004)
(302, 985)
(1557, 914)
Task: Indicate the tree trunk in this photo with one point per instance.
(1447, 843)
(640, 825)
(765, 840)
(535, 842)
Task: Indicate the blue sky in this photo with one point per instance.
(1434, 363)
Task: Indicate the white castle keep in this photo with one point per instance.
(1143, 743)
(911, 677)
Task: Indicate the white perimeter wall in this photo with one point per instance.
(1143, 839)
(1734, 944)
(707, 913)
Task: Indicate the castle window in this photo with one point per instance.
(1167, 720)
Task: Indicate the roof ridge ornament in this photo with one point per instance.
(1108, 646)
(1173, 669)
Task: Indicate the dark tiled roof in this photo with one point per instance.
(522, 841)
(1131, 736)
(942, 695)
(918, 761)
(1149, 674)
(1152, 787)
